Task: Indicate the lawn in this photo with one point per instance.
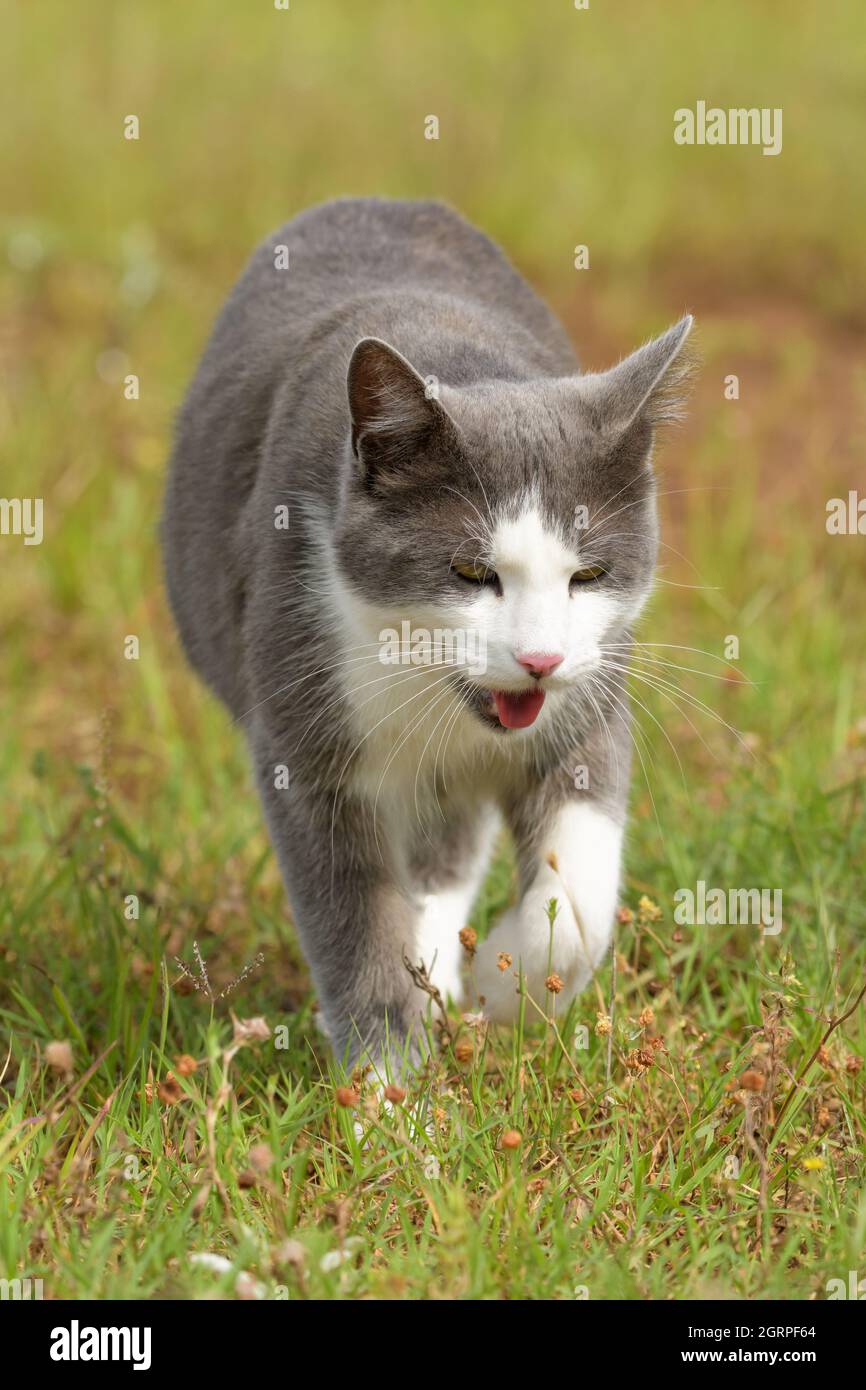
(694, 1126)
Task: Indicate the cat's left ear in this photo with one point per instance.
(395, 413)
(651, 384)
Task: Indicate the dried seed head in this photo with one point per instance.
(649, 911)
(463, 1050)
(553, 984)
(291, 1252)
(646, 1018)
(753, 1081)
(469, 940)
(503, 961)
(250, 1029)
(58, 1055)
(169, 1090)
(511, 1139)
(261, 1157)
(624, 915)
(603, 1025)
(395, 1094)
(346, 1096)
(853, 1064)
(185, 1065)
(639, 1060)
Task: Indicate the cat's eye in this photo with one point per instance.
(587, 575)
(476, 573)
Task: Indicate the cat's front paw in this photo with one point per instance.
(522, 948)
(495, 972)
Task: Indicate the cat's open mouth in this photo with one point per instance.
(511, 709)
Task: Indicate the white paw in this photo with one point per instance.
(497, 989)
(524, 934)
(438, 941)
(415, 1118)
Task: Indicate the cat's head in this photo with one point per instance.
(520, 514)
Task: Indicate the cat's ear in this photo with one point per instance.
(395, 413)
(651, 384)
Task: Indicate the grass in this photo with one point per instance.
(666, 1177)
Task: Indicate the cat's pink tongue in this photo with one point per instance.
(518, 710)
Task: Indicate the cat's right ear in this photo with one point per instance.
(650, 384)
(394, 412)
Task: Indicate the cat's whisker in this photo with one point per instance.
(450, 696)
(413, 724)
(675, 666)
(665, 735)
(449, 728)
(605, 728)
(458, 702)
(641, 501)
(634, 644)
(388, 715)
(471, 539)
(485, 527)
(682, 713)
(627, 719)
(391, 677)
(372, 657)
(680, 556)
(675, 584)
(661, 684)
(630, 719)
(484, 495)
(638, 664)
(605, 516)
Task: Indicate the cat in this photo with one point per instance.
(389, 434)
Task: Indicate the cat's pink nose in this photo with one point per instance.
(539, 663)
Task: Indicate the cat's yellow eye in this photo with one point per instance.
(475, 573)
(585, 576)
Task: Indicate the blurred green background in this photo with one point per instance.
(556, 129)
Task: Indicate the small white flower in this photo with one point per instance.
(334, 1258)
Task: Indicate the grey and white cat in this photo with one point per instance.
(403, 397)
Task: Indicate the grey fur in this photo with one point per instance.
(404, 292)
